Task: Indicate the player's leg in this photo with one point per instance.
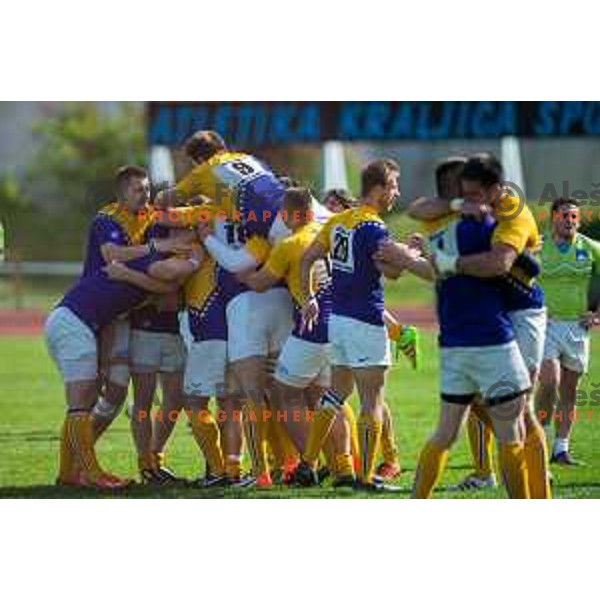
(434, 455)
(370, 384)
(546, 398)
(232, 437)
(204, 377)
(390, 467)
(574, 363)
(114, 361)
(72, 345)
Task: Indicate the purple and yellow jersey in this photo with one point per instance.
(351, 238)
(248, 192)
(284, 262)
(471, 310)
(98, 300)
(152, 316)
(116, 225)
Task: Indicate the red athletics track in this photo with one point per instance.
(31, 322)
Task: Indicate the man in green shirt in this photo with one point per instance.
(569, 260)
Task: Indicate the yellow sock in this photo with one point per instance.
(330, 454)
(159, 459)
(514, 469)
(344, 466)
(536, 459)
(394, 331)
(319, 430)
(389, 450)
(432, 463)
(255, 430)
(80, 436)
(233, 466)
(369, 439)
(146, 461)
(67, 464)
(481, 443)
(351, 418)
(207, 436)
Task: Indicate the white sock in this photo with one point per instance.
(560, 445)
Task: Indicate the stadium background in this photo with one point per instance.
(56, 162)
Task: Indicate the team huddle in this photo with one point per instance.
(238, 286)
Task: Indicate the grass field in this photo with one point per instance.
(32, 407)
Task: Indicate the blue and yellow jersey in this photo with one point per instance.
(516, 227)
(351, 238)
(284, 262)
(471, 310)
(114, 224)
(98, 300)
(246, 190)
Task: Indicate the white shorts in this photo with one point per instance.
(529, 326)
(258, 324)
(205, 367)
(72, 345)
(568, 342)
(302, 363)
(114, 359)
(489, 371)
(357, 344)
(153, 351)
(184, 328)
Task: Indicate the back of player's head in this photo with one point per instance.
(298, 199)
(341, 196)
(483, 168)
(203, 145)
(447, 177)
(377, 173)
(288, 182)
(125, 174)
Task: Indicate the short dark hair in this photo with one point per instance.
(298, 199)
(483, 168)
(126, 173)
(288, 182)
(376, 173)
(448, 174)
(203, 145)
(563, 201)
(342, 196)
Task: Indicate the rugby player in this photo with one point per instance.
(118, 233)
(357, 334)
(478, 357)
(303, 367)
(515, 237)
(92, 303)
(569, 260)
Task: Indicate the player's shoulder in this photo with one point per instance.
(107, 210)
(224, 157)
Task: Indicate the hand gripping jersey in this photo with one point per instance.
(471, 310)
(114, 224)
(284, 262)
(566, 275)
(351, 238)
(98, 300)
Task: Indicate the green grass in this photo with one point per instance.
(31, 401)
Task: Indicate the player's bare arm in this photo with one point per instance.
(398, 257)
(120, 272)
(429, 209)
(310, 308)
(259, 281)
(498, 261)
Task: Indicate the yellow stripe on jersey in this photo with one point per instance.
(202, 180)
(134, 224)
(286, 257)
(348, 219)
(516, 225)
